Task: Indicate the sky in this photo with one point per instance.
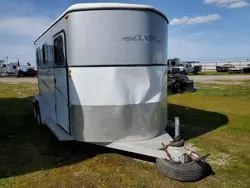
(205, 30)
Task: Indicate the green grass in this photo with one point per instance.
(241, 90)
(216, 119)
(211, 73)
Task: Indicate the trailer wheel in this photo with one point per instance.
(186, 172)
(37, 114)
(34, 111)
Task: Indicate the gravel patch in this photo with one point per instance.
(219, 79)
(14, 80)
(204, 79)
(222, 82)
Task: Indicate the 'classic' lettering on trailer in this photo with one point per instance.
(142, 37)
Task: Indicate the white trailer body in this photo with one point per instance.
(4, 68)
(10, 68)
(101, 70)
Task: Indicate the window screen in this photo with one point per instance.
(44, 54)
(38, 59)
(59, 51)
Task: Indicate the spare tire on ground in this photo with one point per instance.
(186, 172)
(179, 77)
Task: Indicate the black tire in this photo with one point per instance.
(35, 110)
(186, 172)
(181, 77)
(196, 70)
(37, 117)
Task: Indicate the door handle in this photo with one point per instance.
(55, 80)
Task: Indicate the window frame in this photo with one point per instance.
(172, 63)
(45, 54)
(62, 48)
(38, 57)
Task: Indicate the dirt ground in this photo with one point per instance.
(229, 79)
(15, 80)
(204, 79)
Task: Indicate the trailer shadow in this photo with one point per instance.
(24, 148)
(194, 122)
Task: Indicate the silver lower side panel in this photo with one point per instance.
(117, 123)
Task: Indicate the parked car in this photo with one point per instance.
(239, 70)
(235, 70)
(246, 69)
(172, 63)
(26, 71)
(224, 68)
(186, 67)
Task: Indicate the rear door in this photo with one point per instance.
(61, 80)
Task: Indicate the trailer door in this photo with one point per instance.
(61, 80)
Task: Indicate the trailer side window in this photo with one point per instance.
(59, 51)
(44, 54)
(38, 61)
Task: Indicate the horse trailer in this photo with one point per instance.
(102, 70)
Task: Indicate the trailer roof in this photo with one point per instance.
(102, 6)
(106, 5)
